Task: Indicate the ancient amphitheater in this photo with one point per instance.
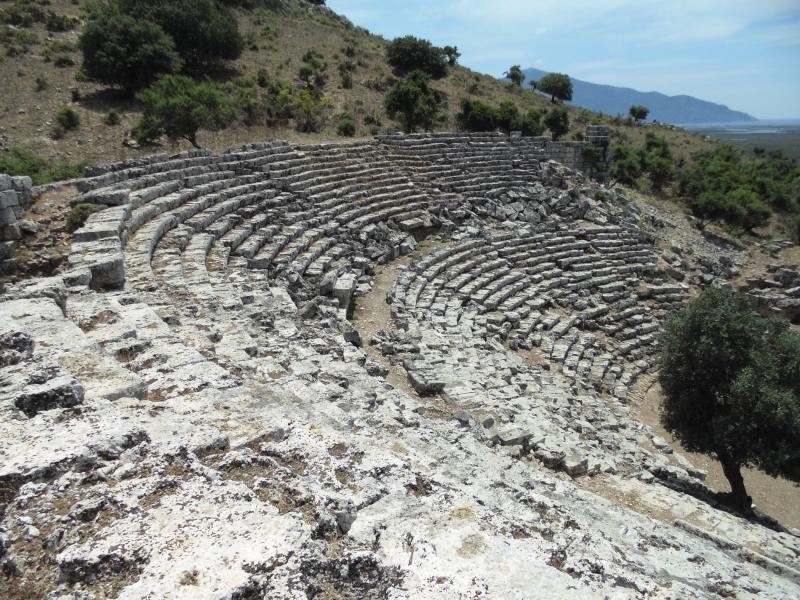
(397, 368)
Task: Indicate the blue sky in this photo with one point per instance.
(742, 53)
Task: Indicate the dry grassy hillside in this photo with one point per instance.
(40, 71)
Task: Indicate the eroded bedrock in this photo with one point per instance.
(188, 410)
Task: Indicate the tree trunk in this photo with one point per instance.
(192, 137)
(409, 123)
(733, 473)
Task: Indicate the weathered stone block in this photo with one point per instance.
(60, 392)
(8, 199)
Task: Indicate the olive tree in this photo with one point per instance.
(414, 101)
(127, 52)
(452, 55)
(203, 31)
(178, 107)
(407, 54)
(515, 75)
(731, 381)
(638, 112)
(557, 86)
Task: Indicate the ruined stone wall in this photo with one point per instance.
(15, 197)
(589, 156)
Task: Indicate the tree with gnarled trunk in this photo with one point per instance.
(178, 107)
(414, 101)
(556, 85)
(515, 75)
(731, 381)
(638, 112)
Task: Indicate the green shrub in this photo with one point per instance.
(346, 70)
(557, 121)
(268, 33)
(378, 84)
(739, 207)
(76, 218)
(128, 52)
(638, 112)
(507, 115)
(60, 171)
(53, 49)
(245, 96)
(62, 62)
(278, 103)
(313, 72)
(653, 159)
(476, 116)
(112, 119)
(17, 42)
(18, 161)
(626, 166)
(723, 184)
(657, 161)
(530, 123)
(40, 84)
(66, 118)
(346, 126)
(55, 22)
(451, 54)
(23, 13)
(57, 132)
(309, 112)
(370, 119)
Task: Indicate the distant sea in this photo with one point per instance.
(770, 135)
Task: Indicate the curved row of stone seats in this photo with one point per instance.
(168, 239)
(327, 189)
(512, 281)
(146, 188)
(194, 207)
(109, 175)
(341, 192)
(177, 225)
(347, 181)
(467, 163)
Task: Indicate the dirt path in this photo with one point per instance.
(779, 498)
(372, 314)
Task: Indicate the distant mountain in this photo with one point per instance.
(668, 109)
